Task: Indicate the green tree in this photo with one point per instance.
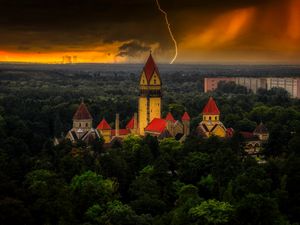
(187, 198)
(50, 201)
(212, 212)
(258, 209)
(90, 188)
(116, 213)
(145, 193)
(194, 166)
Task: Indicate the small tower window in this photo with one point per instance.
(154, 81)
(79, 124)
(86, 124)
(210, 118)
(216, 118)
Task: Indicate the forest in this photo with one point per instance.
(143, 180)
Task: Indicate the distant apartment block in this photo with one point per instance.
(252, 83)
(291, 85)
(210, 84)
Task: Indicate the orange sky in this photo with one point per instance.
(247, 33)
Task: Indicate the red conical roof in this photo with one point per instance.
(170, 117)
(185, 117)
(103, 125)
(150, 67)
(211, 108)
(82, 113)
(130, 124)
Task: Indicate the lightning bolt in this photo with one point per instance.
(170, 30)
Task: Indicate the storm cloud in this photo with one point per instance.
(133, 49)
(133, 26)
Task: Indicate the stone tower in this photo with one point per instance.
(150, 94)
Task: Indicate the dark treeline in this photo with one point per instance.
(143, 181)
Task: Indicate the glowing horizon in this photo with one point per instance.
(253, 32)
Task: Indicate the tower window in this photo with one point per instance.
(154, 81)
(210, 118)
(86, 124)
(216, 118)
(79, 124)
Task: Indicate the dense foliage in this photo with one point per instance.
(143, 181)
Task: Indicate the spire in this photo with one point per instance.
(150, 67)
(211, 108)
(103, 125)
(185, 117)
(170, 117)
(82, 113)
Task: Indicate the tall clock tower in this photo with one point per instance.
(150, 94)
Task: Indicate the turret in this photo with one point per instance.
(170, 123)
(105, 130)
(82, 119)
(211, 112)
(186, 123)
(211, 124)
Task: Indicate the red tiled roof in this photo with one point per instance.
(170, 117)
(156, 125)
(211, 108)
(82, 113)
(103, 125)
(186, 117)
(130, 124)
(150, 67)
(121, 132)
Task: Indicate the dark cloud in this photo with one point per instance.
(133, 49)
(83, 25)
(77, 23)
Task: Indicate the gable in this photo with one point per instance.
(143, 79)
(219, 131)
(155, 79)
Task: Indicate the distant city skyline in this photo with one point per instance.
(102, 31)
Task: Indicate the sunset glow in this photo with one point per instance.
(266, 31)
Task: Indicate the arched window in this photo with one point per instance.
(86, 124)
(154, 81)
(210, 118)
(79, 124)
(216, 118)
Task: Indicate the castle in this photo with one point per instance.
(148, 120)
